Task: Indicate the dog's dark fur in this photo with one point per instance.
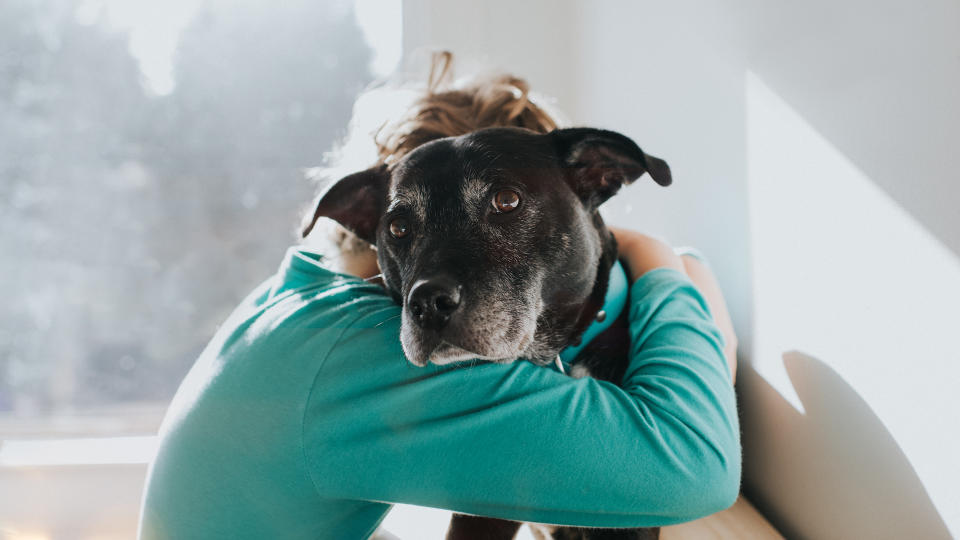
(478, 283)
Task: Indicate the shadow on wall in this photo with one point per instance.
(843, 475)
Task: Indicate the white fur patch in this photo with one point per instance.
(579, 372)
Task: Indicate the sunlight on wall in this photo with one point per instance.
(842, 272)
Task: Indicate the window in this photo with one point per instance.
(151, 162)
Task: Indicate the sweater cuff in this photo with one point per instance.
(656, 285)
(651, 290)
(652, 278)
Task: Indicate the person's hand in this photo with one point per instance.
(643, 253)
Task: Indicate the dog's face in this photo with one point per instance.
(492, 241)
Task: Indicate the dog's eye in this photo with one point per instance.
(506, 200)
(399, 228)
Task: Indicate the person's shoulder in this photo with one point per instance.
(305, 281)
(356, 300)
(333, 306)
(304, 307)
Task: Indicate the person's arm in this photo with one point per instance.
(643, 253)
(701, 276)
(524, 442)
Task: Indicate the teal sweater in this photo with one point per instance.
(302, 419)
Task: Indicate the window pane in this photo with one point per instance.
(150, 177)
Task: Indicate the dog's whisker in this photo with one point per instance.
(372, 278)
(385, 321)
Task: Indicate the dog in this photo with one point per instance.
(493, 245)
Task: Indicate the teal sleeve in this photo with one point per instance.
(524, 442)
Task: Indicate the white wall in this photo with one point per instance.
(813, 154)
(528, 37)
(660, 77)
(870, 295)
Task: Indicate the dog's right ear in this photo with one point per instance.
(355, 201)
(598, 163)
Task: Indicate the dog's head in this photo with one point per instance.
(492, 241)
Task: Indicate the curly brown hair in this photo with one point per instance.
(446, 110)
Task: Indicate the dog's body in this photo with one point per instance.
(493, 244)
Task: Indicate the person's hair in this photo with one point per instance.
(448, 108)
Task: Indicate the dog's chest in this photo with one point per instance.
(606, 356)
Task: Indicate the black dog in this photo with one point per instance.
(493, 245)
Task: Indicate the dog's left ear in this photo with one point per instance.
(355, 201)
(598, 162)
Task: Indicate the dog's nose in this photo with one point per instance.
(432, 301)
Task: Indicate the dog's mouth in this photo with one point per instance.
(448, 353)
(469, 342)
(445, 352)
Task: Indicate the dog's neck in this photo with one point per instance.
(614, 302)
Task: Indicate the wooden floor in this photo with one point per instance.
(741, 521)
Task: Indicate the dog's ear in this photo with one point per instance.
(598, 162)
(355, 201)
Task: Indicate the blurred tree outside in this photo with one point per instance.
(133, 223)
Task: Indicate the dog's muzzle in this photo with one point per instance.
(444, 322)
